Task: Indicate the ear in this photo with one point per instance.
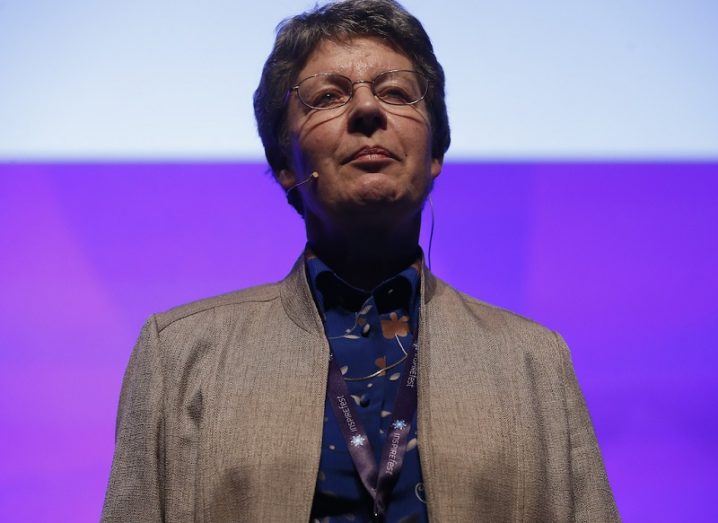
(286, 179)
(436, 165)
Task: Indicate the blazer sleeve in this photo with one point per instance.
(593, 499)
(134, 492)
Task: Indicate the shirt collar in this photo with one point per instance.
(331, 291)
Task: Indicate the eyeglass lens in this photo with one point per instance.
(326, 91)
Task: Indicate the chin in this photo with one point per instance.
(376, 188)
(374, 199)
(374, 210)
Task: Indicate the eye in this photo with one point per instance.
(395, 94)
(329, 96)
(400, 87)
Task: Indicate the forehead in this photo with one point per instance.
(357, 58)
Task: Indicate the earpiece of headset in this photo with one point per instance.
(311, 177)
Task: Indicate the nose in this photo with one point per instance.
(366, 113)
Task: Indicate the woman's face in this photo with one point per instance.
(374, 159)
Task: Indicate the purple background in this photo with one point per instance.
(619, 258)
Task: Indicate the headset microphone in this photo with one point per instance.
(311, 177)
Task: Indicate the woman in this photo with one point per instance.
(361, 387)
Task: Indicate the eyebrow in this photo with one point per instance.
(344, 72)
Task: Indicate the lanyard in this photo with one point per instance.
(380, 481)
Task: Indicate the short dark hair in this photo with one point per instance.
(297, 37)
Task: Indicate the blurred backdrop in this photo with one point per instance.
(581, 190)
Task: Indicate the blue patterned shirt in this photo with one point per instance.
(369, 333)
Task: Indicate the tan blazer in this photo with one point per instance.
(222, 406)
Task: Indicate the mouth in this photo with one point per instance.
(370, 155)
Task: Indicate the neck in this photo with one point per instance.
(364, 256)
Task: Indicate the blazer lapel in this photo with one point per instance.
(466, 422)
(296, 486)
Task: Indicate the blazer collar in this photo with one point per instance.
(298, 301)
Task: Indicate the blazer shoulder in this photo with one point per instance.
(260, 293)
(499, 320)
